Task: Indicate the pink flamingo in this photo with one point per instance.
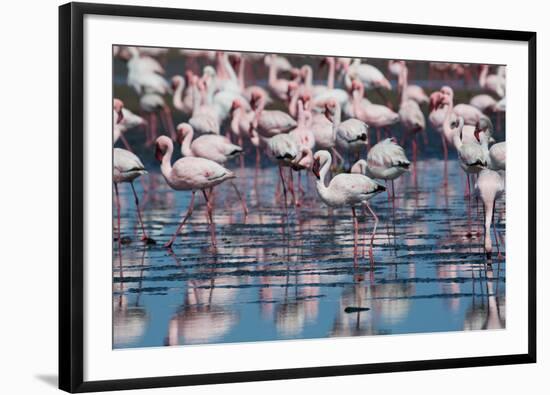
(126, 168)
(190, 174)
(268, 123)
(209, 146)
(410, 114)
(489, 187)
(283, 149)
(346, 190)
(493, 82)
(469, 113)
(205, 118)
(182, 98)
(374, 115)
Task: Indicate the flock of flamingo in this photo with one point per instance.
(305, 126)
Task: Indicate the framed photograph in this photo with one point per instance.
(259, 197)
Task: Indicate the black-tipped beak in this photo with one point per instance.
(119, 117)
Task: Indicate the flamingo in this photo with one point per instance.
(279, 86)
(151, 104)
(283, 149)
(484, 103)
(497, 156)
(489, 187)
(209, 146)
(205, 118)
(410, 114)
(412, 92)
(268, 123)
(346, 190)
(469, 113)
(126, 168)
(495, 83)
(129, 121)
(375, 115)
(190, 174)
(182, 98)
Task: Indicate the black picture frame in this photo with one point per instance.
(71, 204)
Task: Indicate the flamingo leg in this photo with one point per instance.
(169, 122)
(371, 255)
(378, 135)
(144, 237)
(242, 155)
(187, 216)
(295, 201)
(154, 127)
(446, 157)
(355, 231)
(118, 215)
(499, 255)
(210, 210)
(284, 189)
(243, 201)
(125, 142)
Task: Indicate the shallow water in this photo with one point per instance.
(275, 278)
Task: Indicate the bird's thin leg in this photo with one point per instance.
(295, 202)
(414, 160)
(499, 255)
(364, 238)
(284, 189)
(393, 210)
(117, 214)
(210, 214)
(169, 122)
(242, 154)
(388, 222)
(243, 201)
(445, 156)
(355, 231)
(187, 216)
(373, 232)
(125, 142)
(136, 199)
(337, 155)
(378, 135)
(154, 127)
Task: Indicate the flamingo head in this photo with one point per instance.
(182, 130)
(330, 109)
(295, 72)
(176, 81)
(117, 106)
(161, 146)
(236, 104)
(482, 126)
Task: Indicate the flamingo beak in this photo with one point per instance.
(315, 169)
(476, 134)
(119, 117)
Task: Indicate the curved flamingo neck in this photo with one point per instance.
(177, 98)
(321, 187)
(404, 75)
(483, 76)
(186, 144)
(166, 165)
(240, 76)
(357, 97)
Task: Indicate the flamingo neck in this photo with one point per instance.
(241, 74)
(186, 144)
(321, 187)
(177, 98)
(404, 84)
(483, 76)
(165, 165)
(331, 71)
